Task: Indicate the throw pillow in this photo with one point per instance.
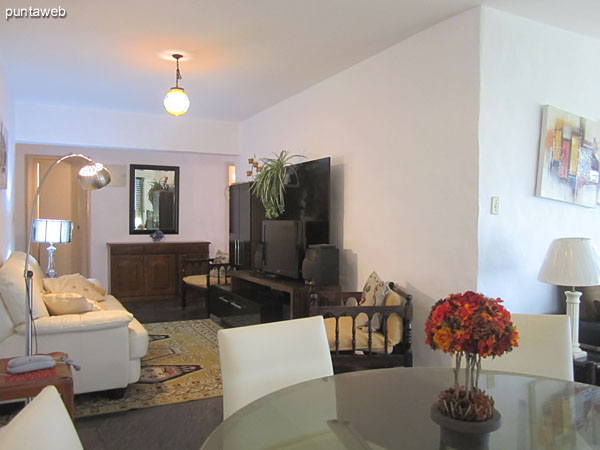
(221, 257)
(59, 304)
(394, 324)
(75, 283)
(373, 294)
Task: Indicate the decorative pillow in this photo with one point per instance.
(59, 304)
(394, 324)
(373, 294)
(75, 283)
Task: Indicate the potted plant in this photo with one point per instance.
(470, 327)
(269, 184)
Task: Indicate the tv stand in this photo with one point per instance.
(260, 298)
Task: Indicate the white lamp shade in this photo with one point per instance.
(176, 101)
(52, 231)
(571, 262)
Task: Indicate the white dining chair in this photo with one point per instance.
(544, 348)
(43, 423)
(259, 359)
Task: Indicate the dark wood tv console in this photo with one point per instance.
(260, 298)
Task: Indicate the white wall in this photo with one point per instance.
(202, 192)
(85, 127)
(401, 128)
(7, 195)
(526, 65)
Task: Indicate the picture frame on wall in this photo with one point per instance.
(3, 159)
(569, 158)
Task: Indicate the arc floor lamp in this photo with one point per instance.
(91, 176)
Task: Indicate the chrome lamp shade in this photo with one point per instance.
(572, 262)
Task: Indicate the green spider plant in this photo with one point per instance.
(269, 184)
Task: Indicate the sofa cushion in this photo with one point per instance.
(14, 292)
(75, 283)
(394, 324)
(61, 303)
(7, 327)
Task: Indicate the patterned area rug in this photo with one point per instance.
(182, 364)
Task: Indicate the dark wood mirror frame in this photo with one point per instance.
(153, 189)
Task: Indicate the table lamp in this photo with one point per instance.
(572, 262)
(52, 232)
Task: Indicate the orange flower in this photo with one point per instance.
(443, 339)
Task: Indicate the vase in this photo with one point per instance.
(464, 435)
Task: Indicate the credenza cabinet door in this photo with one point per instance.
(127, 276)
(158, 274)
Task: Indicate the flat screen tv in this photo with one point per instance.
(304, 222)
(282, 242)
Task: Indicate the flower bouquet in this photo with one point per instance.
(469, 326)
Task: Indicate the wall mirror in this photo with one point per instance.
(153, 199)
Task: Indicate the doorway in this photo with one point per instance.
(60, 198)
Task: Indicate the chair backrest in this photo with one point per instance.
(43, 423)
(544, 347)
(259, 359)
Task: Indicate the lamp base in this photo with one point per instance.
(50, 270)
(573, 313)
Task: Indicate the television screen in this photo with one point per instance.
(281, 247)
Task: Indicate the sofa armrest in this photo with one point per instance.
(94, 320)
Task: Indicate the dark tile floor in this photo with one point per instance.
(179, 426)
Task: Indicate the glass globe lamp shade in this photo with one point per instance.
(176, 101)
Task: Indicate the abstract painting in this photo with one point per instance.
(569, 159)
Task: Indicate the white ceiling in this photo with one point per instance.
(240, 56)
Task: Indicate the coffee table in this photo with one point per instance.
(25, 385)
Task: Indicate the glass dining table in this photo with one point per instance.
(390, 409)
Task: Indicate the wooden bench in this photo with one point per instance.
(358, 354)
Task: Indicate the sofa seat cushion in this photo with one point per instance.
(93, 320)
(14, 292)
(200, 280)
(138, 336)
(362, 337)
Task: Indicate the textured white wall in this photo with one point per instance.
(7, 195)
(401, 129)
(526, 65)
(203, 207)
(85, 127)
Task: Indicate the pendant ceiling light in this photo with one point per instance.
(176, 100)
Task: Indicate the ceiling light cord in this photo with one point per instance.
(177, 72)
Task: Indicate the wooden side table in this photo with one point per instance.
(25, 385)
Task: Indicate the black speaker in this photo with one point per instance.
(321, 265)
(258, 258)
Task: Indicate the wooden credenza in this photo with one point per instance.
(150, 270)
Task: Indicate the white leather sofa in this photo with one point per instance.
(107, 344)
